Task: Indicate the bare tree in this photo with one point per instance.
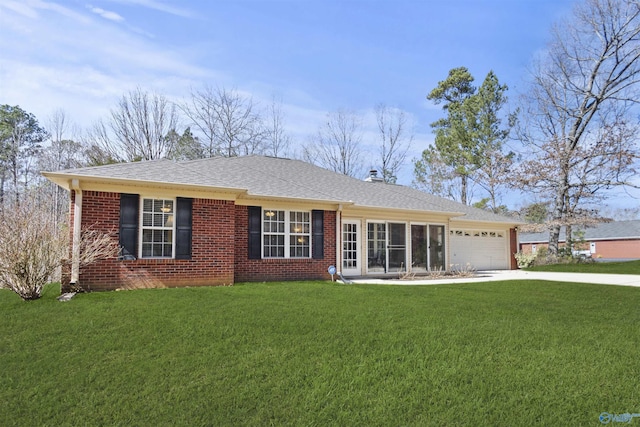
(62, 152)
(276, 139)
(227, 121)
(336, 146)
(395, 140)
(140, 123)
(575, 122)
(100, 148)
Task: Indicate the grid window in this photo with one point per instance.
(299, 231)
(286, 234)
(157, 228)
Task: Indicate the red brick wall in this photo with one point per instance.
(617, 249)
(260, 270)
(219, 251)
(211, 263)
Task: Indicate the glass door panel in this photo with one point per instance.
(419, 247)
(436, 248)
(350, 250)
(376, 247)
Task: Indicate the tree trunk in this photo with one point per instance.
(556, 218)
(463, 190)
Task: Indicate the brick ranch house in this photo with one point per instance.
(221, 220)
(609, 240)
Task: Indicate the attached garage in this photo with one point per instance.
(482, 249)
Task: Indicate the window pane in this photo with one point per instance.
(298, 246)
(157, 227)
(157, 250)
(146, 219)
(299, 222)
(146, 250)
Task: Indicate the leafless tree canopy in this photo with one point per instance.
(227, 121)
(576, 123)
(336, 146)
(277, 141)
(140, 124)
(395, 140)
(60, 152)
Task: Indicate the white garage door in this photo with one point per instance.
(483, 249)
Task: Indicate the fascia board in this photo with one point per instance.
(93, 183)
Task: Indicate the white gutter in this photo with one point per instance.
(77, 230)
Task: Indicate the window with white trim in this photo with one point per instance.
(286, 234)
(157, 228)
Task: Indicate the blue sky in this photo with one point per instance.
(316, 56)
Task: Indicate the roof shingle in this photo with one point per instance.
(264, 176)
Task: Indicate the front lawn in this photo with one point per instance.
(317, 353)
(625, 267)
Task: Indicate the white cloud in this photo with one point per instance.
(21, 8)
(111, 16)
(159, 6)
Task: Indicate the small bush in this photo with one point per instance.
(525, 259)
(33, 247)
(466, 270)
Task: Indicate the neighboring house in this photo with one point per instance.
(224, 220)
(608, 240)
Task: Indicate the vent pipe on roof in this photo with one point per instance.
(373, 176)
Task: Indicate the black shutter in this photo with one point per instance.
(255, 232)
(129, 205)
(184, 221)
(317, 233)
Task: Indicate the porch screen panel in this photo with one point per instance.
(376, 247)
(397, 247)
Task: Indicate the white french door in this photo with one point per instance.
(351, 248)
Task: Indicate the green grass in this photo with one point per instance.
(315, 354)
(625, 267)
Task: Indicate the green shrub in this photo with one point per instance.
(525, 259)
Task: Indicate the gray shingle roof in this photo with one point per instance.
(604, 231)
(283, 178)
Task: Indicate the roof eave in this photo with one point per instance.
(65, 180)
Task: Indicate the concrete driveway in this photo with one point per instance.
(491, 276)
